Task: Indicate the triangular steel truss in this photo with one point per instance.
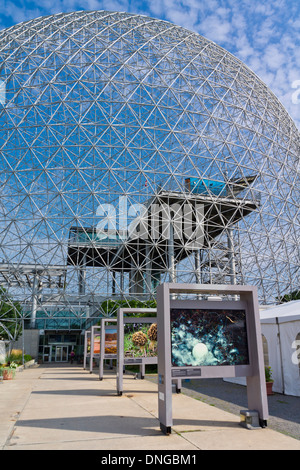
(102, 106)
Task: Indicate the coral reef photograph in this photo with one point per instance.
(208, 337)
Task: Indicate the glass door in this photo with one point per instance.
(64, 354)
(47, 354)
(61, 354)
(58, 354)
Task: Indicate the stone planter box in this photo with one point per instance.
(29, 364)
(26, 365)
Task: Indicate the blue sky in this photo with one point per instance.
(265, 35)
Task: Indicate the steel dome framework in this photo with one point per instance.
(106, 107)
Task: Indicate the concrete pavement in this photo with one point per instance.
(63, 407)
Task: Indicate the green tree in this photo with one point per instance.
(111, 306)
(294, 295)
(10, 317)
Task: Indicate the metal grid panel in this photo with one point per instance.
(102, 105)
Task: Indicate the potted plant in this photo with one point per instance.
(8, 373)
(9, 370)
(269, 381)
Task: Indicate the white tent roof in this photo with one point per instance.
(289, 311)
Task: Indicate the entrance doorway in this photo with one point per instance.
(47, 354)
(61, 354)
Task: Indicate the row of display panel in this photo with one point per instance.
(130, 341)
(198, 339)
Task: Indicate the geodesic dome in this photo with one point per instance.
(107, 105)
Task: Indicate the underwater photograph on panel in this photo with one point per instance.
(202, 337)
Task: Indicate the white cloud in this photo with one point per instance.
(17, 13)
(273, 57)
(216, 28)
(264, 35)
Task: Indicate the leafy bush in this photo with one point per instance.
(10, 313)
(268, 374)
(111, 307)
(16, 357)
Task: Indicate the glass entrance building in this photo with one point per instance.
(113, 124)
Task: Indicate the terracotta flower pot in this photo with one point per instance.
(269, 386)
(8, 374)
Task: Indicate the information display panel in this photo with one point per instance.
(110, 342)
(137, 341)
(209, 339)
(96, 348)
(92, 340)
(140, 349)
(94, 345)
(86, 353)
(108, 346)
(140, 341)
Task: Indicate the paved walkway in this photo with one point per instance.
(63, 407)
(284, 410)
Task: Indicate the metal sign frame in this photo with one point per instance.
(103, 355)
(121, 361)
(87, 334)
(90, 333)
(254, 371)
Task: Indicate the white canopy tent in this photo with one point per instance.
(280, 325)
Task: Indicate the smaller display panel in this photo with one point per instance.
(208, 337)
(96, 344)
(110, 341)
(140, 340)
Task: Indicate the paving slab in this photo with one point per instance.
(63, 407)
